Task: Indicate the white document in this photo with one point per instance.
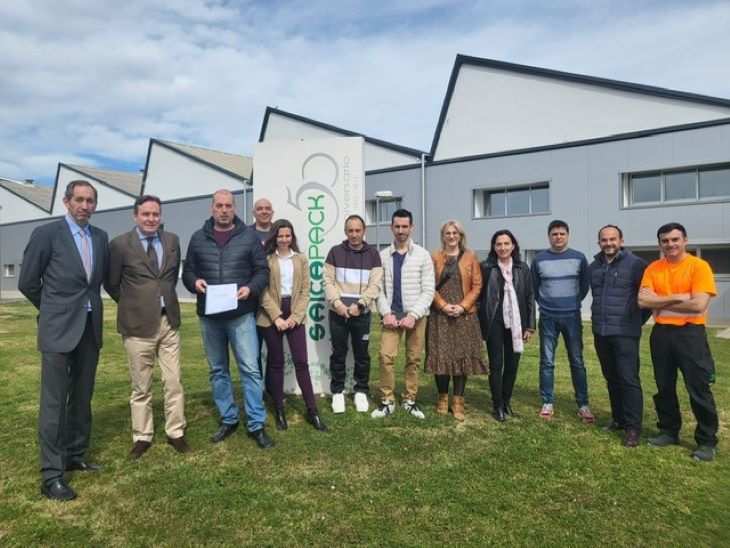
(220, 298)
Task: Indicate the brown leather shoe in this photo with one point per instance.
(631, 439)
(459, 408)
(180, 444)
(138, 449)
(442, 407)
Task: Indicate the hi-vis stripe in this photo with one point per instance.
(673, 314)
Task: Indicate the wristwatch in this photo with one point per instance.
(361, 307)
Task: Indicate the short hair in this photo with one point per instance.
(459, 228)
(620, 232)
(270, 243)
(223, 191)
(557, 223)
(69, 192)
(492, 257)
(402, 213)
(144, 199)
(669, 227)
(355, 216)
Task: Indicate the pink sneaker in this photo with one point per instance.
(547, 411)
(585, 414)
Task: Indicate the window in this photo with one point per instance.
(702, 183)
(9, 270)
(511, 201)
(718, 257)
(387, 207)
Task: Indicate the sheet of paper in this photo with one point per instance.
(220, 298)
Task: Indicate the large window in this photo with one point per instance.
(386, 208)
(686, 185)
(511, 201)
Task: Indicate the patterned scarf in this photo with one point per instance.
(510, 308)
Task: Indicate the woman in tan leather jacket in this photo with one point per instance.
(453, 347)
(283, 312)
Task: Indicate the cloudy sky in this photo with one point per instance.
(91, 81)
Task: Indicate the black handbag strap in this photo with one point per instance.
(449, 271)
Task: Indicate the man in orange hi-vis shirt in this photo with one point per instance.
(678, 289)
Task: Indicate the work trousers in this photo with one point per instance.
(684, 348)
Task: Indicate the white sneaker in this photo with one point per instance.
(361, 402)
(383, 410)
(338, 403)
(411, 408)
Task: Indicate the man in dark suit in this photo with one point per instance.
(62, 271)
(143, 270)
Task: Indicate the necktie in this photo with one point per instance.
(85, 254)
(152, 255)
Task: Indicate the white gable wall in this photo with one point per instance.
(109, 197)
(283, 128)
(16, 208)
(494, 110)
(172, 175)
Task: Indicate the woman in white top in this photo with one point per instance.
(283, 312)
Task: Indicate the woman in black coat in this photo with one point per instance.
(506, 315)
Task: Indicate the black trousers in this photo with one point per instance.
(619, 357)
(684, 348)
(64, 421)
(357, 330)
(503, 362)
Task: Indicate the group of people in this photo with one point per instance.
(445, 302)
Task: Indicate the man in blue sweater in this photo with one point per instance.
(561, 283)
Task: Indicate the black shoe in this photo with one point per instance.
(612, 426)
(663, 439)
(224, 430)
(58, 490)
(261, 439)
(81, 465)
(138, 449)
(498, 414)
(507, 408)
(180, 444)
(281, 419)
(631, 439)
(314, 420)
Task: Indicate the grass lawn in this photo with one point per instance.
(391, 482)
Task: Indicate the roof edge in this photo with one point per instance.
(170, 147)
(565, 76)
(31, 202)
(372, 140)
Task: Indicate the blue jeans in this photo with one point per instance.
(240, 333)
(572, 330)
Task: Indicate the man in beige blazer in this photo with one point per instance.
(143, 271)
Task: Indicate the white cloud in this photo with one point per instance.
(89, 79)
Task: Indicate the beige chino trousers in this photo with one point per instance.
(389, 342)
(141, 354)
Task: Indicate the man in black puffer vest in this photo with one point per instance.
(225, 251)
(615, 278)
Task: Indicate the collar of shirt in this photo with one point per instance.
(143, 236)
(291, 254)
(75, 229)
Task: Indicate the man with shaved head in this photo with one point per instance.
(263, 213)
(225, 251)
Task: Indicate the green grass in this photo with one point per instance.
(392, 482)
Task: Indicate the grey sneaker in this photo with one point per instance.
(412, 409)
(662, 440)
(704, 452)
(383, 410)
